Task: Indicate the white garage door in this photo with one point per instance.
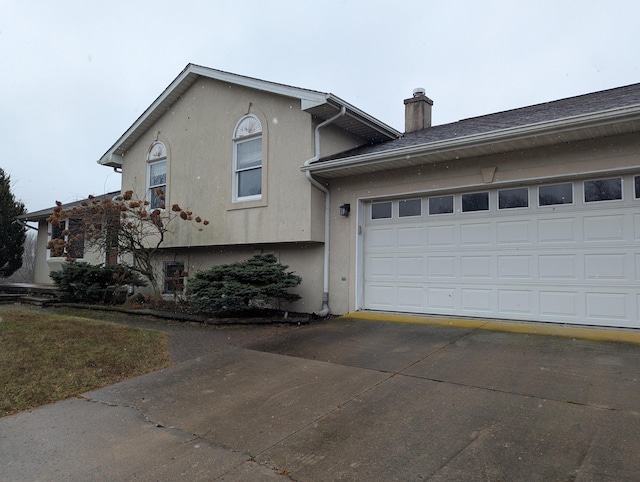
(566, 252)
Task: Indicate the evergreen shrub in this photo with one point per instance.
(244, 288)
(82, 282)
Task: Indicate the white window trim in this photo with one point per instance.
(50, 237)
(462, 210)
(584, 191)
(552, 206)
(151, 161)
(498, 191)
(239, 139)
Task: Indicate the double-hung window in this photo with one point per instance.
(157, 175)
(247, 159)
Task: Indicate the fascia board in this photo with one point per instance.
(626, 114)
(304, 95)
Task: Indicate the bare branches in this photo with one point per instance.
(124, 225)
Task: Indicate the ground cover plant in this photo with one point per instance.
(45, 357)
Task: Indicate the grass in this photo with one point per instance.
(45, 357)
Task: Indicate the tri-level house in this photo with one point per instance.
(527, 214)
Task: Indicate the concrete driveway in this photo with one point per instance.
(352, 399)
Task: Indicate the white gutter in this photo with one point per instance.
(555, 127)
(327, 210)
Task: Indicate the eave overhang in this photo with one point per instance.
(319, 104)
(589, 126)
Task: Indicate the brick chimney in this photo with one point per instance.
(417, 111)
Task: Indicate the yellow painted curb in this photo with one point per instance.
(617, 335)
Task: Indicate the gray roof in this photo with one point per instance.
(45, 213)
(559, 113)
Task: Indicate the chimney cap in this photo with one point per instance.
(418, 91)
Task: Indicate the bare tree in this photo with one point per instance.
(124, 226)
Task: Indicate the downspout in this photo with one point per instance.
(327, 210)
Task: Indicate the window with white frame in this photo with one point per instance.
(409, 207)
(381, 210)
(66, 239)
(553, 194)
(157, 175)
(513, 198)
(441, 205)
(603, 190)
(476, 201)
(247, 159)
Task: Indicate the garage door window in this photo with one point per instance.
(477, 201)
(603, 190)
(555, 194)
(636, 181)
(513, 198)
(441, 205)
(381, 210)
(410, 207)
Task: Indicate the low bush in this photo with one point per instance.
(244, 288)
(82, 282)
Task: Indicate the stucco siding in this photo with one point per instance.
(198, 132)
(609, 156)
(305, 259)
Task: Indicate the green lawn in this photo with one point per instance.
(45, 358)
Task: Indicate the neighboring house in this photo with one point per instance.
(528, 214)
(48, 260)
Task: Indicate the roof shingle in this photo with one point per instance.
(525, 116)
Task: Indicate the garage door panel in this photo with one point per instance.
(515, 267)
(476, 300)
(604, 228)
(475, 267)
(410, 237)
(514, 232)
(443, 267)
(409, 267)
(441, 236)
(515, 301)
(382, 297)
(411, 298)
(381, 267)
(442, 300)
(605, 266)
(380, 238)
(475, 234)
(607, 306)
(559, 303)
(557, 267)
(562, 230)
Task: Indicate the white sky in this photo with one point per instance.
(75, 74)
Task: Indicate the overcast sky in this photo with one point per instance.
(75, 74)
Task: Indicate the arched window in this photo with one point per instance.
(157, 175)
(247, 159)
